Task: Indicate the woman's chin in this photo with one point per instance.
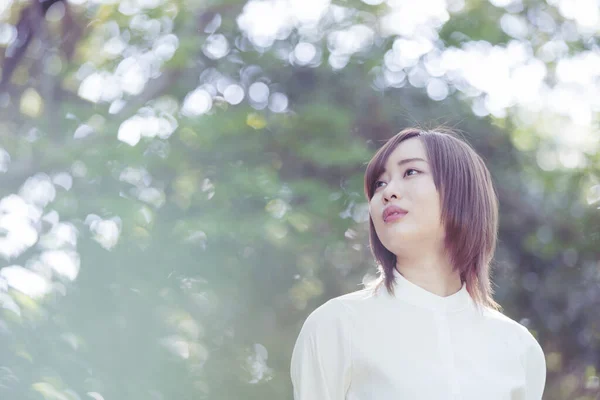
(406, 238)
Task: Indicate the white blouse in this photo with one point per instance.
(412, 346)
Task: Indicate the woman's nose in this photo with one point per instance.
(390, 192)
(388, 198)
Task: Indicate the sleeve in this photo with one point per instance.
(321, 360)
(534, 362)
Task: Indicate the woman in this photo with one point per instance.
(428, 328)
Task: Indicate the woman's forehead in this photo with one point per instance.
(411, 149)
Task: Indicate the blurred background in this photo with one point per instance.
(181, 180)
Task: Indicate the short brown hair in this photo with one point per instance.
(469, 209)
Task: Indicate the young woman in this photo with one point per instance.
(428, 328)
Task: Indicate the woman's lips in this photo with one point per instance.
(394, 216)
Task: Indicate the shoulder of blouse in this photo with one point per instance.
(525, 341)
(330, 319)
(334, 312)
(338, 316)
(532, 352)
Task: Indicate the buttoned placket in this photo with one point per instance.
(447, 352)
(442, 309)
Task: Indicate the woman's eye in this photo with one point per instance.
(410, 169)
(376, 184)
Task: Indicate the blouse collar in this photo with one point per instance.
(412, 293)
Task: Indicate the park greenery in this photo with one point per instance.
(181, 181)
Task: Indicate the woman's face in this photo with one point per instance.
(407, 182)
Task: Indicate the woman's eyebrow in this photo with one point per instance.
(407, 160)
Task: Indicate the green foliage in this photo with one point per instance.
(203, 248)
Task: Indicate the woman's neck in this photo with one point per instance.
(433, 274)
